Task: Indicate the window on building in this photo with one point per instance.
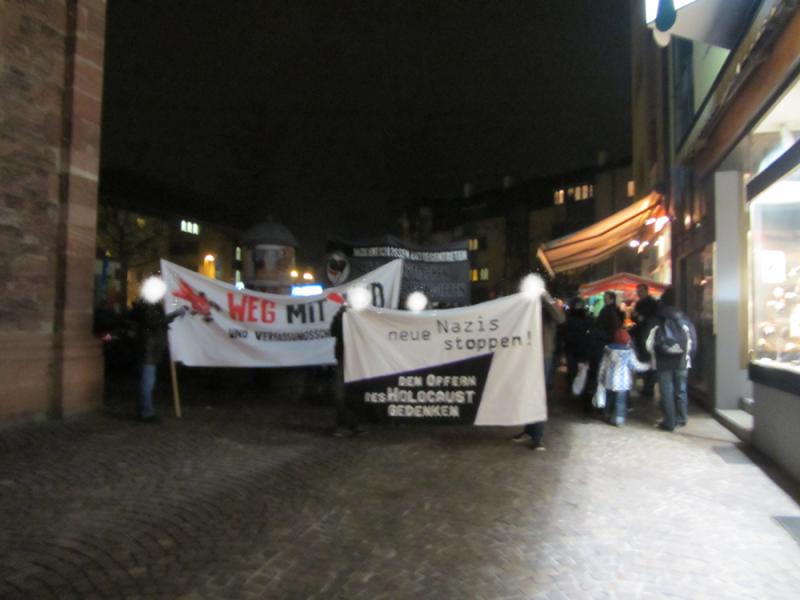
(580, 192)
(484, 274)
(473, 274)
(631, 189)
(190, 227)
(474, 244)
(238, 253)
(558, 197)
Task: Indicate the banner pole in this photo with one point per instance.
(176, 395)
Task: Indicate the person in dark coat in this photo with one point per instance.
(644, 314)
(609, 320)
(672, 368)
(577, 336)
(151, 335)
(346, 419)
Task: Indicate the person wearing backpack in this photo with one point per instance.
(671, 343)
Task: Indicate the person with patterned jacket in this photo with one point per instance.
(616, 375)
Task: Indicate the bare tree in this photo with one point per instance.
(134, 240)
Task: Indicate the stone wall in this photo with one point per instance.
(51, 79)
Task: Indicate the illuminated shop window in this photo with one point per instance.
(775, 258)
(473, 274)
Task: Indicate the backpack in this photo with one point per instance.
(671, 338)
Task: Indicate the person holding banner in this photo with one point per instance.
(151, 335)
(552, 317)
(346, 420)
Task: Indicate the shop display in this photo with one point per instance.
(775, 294)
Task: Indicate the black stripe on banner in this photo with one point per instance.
(448, 393)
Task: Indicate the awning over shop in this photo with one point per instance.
(626, 283)
(600, 240)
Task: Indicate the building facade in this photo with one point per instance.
(51, 81)
(717, 116)
(505, 226)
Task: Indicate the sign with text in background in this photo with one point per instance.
(441, 272)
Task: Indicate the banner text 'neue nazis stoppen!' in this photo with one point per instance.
(475, 326)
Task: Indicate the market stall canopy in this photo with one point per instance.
(600, 240)
(621, 282)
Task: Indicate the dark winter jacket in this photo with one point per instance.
(151, 330)
(644, 317)
(577, 334)
(608, 321)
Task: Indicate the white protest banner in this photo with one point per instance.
(479, 364)
(229, 327)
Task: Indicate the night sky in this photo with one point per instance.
(330, 116)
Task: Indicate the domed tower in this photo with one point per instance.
(268, 258)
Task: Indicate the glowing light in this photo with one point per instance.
(660, 223)
(308, 277)
(153, 289)
(359, 297)
(239, 285)
(209, 258)
(313, 289)
(532, 286)
(634, 243)
(650, 221)
(416, 301)
(294, 274)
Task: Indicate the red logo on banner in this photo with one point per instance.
(334, 297)
(200, 304)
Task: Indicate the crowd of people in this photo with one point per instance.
(605, 354)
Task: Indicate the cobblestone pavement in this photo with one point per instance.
(252, 499)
